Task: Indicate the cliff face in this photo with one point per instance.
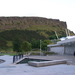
(9, 23)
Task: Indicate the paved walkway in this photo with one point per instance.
(7, 68)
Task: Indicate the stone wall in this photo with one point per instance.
(69, 49)
(58, 49)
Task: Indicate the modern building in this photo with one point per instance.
(63, 47)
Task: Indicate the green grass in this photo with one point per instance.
(8, 51)
(7, 54)
(33, 53)
(40, 27)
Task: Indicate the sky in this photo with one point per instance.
(64, 10)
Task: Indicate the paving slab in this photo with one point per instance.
(24, 69)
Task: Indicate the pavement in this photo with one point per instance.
(7, 68)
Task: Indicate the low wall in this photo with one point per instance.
(49, 63)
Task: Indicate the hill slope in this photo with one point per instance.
(26, 28)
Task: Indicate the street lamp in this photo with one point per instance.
(40, 47)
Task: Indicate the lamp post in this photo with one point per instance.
(40, 47)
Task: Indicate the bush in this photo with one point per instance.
(16, 45)
(49, 53)
(2, 43)
(26, 46)
(35, 53)
(44, 53)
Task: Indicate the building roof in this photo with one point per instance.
(53, 45)
(67, 41)
(68, 37)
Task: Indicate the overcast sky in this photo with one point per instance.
(64, 10)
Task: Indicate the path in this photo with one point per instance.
(7, 68)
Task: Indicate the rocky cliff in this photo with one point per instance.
(9, 23)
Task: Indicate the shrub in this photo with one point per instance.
(35, 53)
(49, 53)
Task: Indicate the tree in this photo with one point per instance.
(35, 43)
(52, 37)
(45, 43)
(3, 43)
(60, 36)
(26, 46)
(17, 45)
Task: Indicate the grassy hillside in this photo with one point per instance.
(26, 28)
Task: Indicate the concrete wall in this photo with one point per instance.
(69, 49)
(66, 48)
(59, 50)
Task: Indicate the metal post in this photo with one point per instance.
(40, 47)
(56, 35)
(66, 32)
